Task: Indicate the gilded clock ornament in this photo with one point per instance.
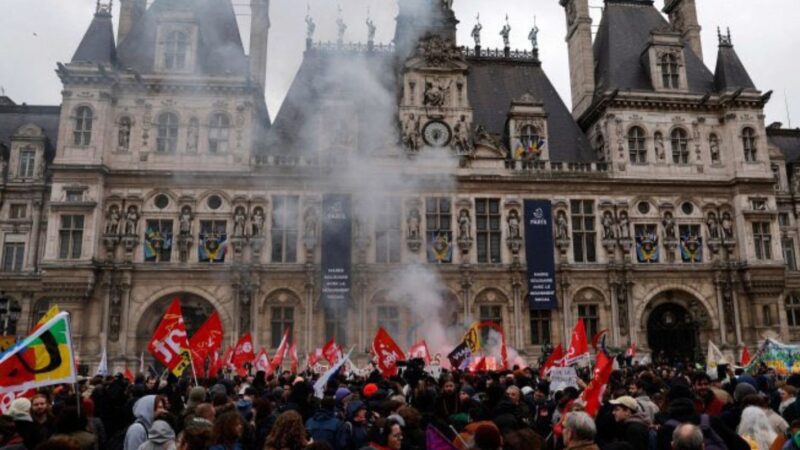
(437, 134)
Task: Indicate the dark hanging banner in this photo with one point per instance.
(336, 253)
(540, 253)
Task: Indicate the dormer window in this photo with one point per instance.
(82, 133)
(176, 48)
(670, 71)
(27, 163)
(218, 132)
(167, 133)
(749, 144)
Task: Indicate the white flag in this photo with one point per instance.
(102, 368)
(319, 386)
(141, 362)
(713, 359)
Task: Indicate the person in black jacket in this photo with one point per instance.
(681, 410)
(633, 426)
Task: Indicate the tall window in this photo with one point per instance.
(18, 211)
(636, 145)
(540, 327)
(218, 132)
(27, 163)
(438, 214)
(490, 313)
(282, 318)
(487, 221)
(70, 237)
(788, 253)
(793, 310)
(82, 132)
(680, 146)
(762, 240)
(158, 241)
(13, 256)
(9, 315)
(167, 133)
(213, 241)
(591, 318)
(389, 319)
(749, 144)
(691, 243)
(387, 231)
(670, 75)
(583, 231)
(175, 50)
(336, 325)
(531, 141)
(284, 229)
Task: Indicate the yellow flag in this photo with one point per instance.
(473, 337)
(52, 312)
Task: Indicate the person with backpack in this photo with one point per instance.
(325, 426)
(716, 435)
(144, 411)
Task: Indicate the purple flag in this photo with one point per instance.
(436, 440)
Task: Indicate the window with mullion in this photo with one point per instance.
(82, 133)
(793, 311)
(670, 75)
(438, 214)
(388, 318)
(387, 231)
(175, 50)
(218, 133)
(158, 241)
(284, 229)
(336, 325)
(13, 256)
(591, 318)
(788, 253)
(167, 141)
(749, 144)
(487, 223)
(282, 318)
(636, 146)
(680, 146)
(27, 163)
(762, 240)
(583, 231)
(490, 313)
(540, 327)
(70, 237)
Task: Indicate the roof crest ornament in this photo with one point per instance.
(311, 27)
(723, 39)
(476, 31)
(371, 28)
(342, 27)
(104, 8)
(506, 33)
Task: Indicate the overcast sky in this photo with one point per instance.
(35, 34)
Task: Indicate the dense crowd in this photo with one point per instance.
(644, 407)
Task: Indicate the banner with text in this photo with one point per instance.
(336, 253)
(540, 253)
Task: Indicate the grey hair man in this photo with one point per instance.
(579, 431)
(687, 436)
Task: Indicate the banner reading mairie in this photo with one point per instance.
(336, 253)
(540, 253)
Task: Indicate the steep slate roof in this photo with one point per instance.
(730, 73)
(220, 50)
(623, 36)
(12, 117)
(788, 141)
(494, 84)
(97, 45)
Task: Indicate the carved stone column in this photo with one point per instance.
(519, 307)
(466, 288)
(310, 287)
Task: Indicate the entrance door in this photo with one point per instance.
(672, 334)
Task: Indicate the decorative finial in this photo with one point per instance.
(310, 28)
(476, 32)
(724, 39)
(506, 33)
(533, 36)
(104, 9)
(342, 27)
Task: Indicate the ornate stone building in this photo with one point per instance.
(161, 174)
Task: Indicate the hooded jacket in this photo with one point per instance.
(143, 411)
(160, 437)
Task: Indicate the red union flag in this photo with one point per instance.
(169, 345)
(331, 352)
(262, 363)
(207, 339)
(592, 396)
(554, 359)
(243, 353)
(387, 353)
(280, 353)
(420, 350)
(578, 344)
(313, 357)
(293, 357)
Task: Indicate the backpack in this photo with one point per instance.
(117, 440)
(711, 440)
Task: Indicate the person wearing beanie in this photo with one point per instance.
(370, 390)
(488, 437)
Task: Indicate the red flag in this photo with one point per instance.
(596, 338)
(224, 362)
(313, 357)
(745, 356)
(293, 356)
(169, 344)
(420, 350)
(262, 362)
(631, 351)
(207, 339)
(592, 396)
(129, 375)
(387, 353)
(578, 345)
(481, 365)
(331, 352)
(280, 353)
(243, 353)
(556, 356)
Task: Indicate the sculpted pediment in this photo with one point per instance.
(435, 53)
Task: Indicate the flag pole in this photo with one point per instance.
(194, 373)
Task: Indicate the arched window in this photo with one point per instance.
(713, 145)
(124, 134)
(749, 144)
(9, 315)
(636, 145)
(175, 50)
(669, 71)
(167, 133)
(680, 146)
(793, 310)
(82, 133)
(218, 131)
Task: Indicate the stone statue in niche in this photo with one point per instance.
(413, 224)
(310, 223)
(669, 226)
(714, 146)
(713, 226)
(239, 222)
(464, 225)
(562, 228)
(258, 222)
(727, 226)
(506, 34)
(608, 226)
(476, 32)
(124, 138)
(436, 93)
(659, 144)
(462, 141)
(514, 225)
(186, 221)
(411, 132)
(311, 27)
(113, 219)
(624, 225)
(192, 136)
(131, 221)
(371, 28)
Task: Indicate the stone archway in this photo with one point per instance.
(676, 326)
(195, 309)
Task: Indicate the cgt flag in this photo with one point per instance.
(280, 353)
(420, 350)
(555, 358)
(207, 339)
(578, 350)
(169, 344)
(243, 353)
(43, 358)
(387, 353)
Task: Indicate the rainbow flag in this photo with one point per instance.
(42, 359)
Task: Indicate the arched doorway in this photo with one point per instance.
(672, 334)
(195, 311)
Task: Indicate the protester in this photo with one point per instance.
(755, 428)
(579, 431)
(386, 434)
(161, 436)
(144, 411)
(687, 437)
(42, 415)
(228, 431)
(71, 422)
(325, 426)
(288, 433)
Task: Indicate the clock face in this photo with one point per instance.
(437, 134)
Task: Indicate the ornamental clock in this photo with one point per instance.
(437, 134)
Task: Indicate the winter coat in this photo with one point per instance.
(325, 426)
(160, 437)
(648, 407)
(635, 430)
(143, 410)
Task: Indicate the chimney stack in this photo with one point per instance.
(683, 17)
(130, 12)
